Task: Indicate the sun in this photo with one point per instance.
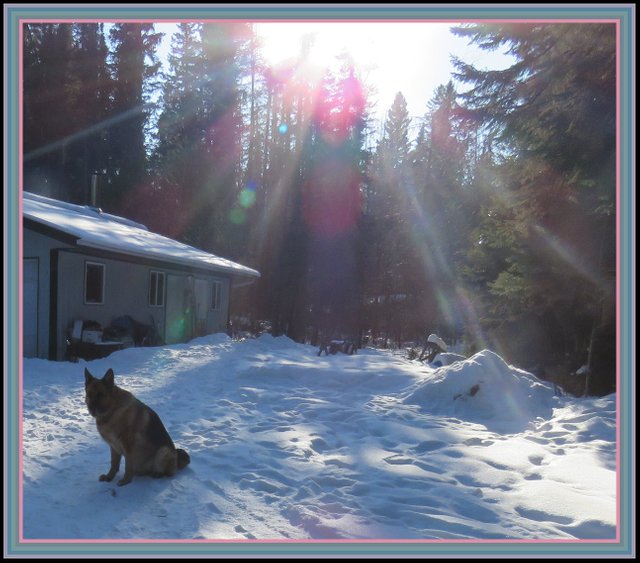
(388, 57)
(322, 44)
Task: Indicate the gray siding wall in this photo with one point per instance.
(126, 292)
(40, 246)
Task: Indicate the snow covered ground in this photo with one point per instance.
(288, 445)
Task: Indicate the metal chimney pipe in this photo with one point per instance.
(94, 189)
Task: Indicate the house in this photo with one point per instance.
(80, 264)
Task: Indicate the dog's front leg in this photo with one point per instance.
(128, 470)
(115, 466)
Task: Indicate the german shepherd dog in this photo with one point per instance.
(132, 430)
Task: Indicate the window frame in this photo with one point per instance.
(103, 267)
(216, 295)
(159, 296)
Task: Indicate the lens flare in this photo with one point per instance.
(331, 198)
(237, 216)
(247, 198)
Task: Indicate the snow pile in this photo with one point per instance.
(286, 445)
(446, 359)
(486, 390)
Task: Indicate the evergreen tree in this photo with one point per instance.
(439, 218)
(222, 136)
(249, 204)
(179, 155)
(198, 159)
(134, 68)
(553, 116)
(332, 203)
(391, 252)
(65, 67)
(92, 106)
(49, 118)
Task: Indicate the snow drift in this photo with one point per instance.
(486, 390)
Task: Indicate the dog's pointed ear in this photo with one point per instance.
(108, 377)
(87, 376)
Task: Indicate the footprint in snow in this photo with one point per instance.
(540, 516)
(536, 459)
(497, 465)
(240, 530)
(319, 445)
(398, 459)
(429, 468)
(214, 487)
(478, 442)
(213, 508)
(428, 446)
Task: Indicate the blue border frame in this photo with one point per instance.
(624, 14)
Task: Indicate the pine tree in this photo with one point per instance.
(178, 156)
(391, 253)
(438, 164)
(134, 68)
(553, 116)
(197, 162)
(65, 67)
(49, 117)
(332, 202)
(221, 183)
(92, 102)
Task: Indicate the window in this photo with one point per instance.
(156, 289)
(93, 283)
(216, 295)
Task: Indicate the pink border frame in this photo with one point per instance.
(318, 541)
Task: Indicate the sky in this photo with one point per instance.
(409, 57)
(289, 446)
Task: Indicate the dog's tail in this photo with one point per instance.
(182, 458)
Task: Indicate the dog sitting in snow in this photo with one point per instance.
(132, 430)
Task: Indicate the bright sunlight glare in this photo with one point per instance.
(409, 57)
(390, 57)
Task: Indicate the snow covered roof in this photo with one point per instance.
(95, 229)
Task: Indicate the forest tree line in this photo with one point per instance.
(495, 223)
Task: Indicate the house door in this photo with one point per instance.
(30, 307)
(179, 311)
(202, 303)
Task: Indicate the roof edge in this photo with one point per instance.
(239, 270)
(86, 210)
